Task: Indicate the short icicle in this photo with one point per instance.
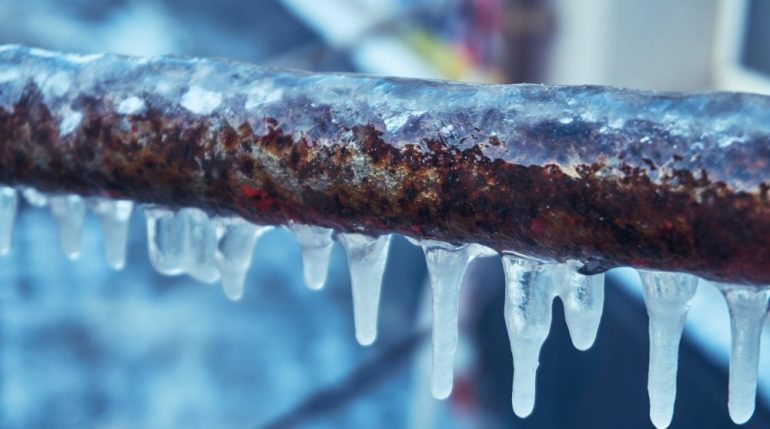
(69, 212)
(316, 243)
(366, 258)
(667, 297)
(748, 307)
(34, 197)
(447, 264)
(583, 298)
(167, 240)
(114, 216)
(528, 299)
(235, 245)
(201, 234)
(9, 203)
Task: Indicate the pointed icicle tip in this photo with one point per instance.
(367, 257)
(9, 203)
(748, 306)
(235, 246)
(316, 243)
(447, 265)
(583, 299)
(529, 294)
(667, 297)
(233, 283)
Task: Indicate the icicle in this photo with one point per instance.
(33, 197)
(9, 202)
(201, 247)
(189, 242)
(748, 307)
(316, 243)
(366, 259)
(667, 297)
(167, 240)
(528, 299)
(236, 238)
(114, 216)
(447, 264)
(583, 298)
(69, 212)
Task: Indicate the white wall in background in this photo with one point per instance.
(729, 73)
(654, 44)
(580, 48)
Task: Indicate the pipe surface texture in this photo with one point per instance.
(606, 176)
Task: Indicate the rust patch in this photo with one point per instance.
(643, 207)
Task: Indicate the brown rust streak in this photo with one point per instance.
(683, 222)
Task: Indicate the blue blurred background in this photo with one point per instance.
(83, 346)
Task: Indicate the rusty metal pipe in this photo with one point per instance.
(606, 176)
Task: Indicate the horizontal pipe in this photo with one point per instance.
(606, 176)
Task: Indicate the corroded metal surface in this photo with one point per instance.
(606, 176)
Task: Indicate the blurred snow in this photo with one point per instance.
(86, 346)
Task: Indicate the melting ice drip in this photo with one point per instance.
(530, 287)
(189, 241)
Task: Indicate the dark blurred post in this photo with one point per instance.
(527, 28)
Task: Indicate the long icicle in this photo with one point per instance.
(9, 202)
(366, 259)
(528, 299)
(667, 296)
(748, 307)
(447, 265)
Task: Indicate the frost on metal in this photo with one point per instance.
(564, 182)
(605, 176)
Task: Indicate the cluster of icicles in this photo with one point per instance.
(188, 241)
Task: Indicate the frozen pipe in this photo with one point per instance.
(605, 176)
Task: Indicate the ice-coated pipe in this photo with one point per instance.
(610, 177)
